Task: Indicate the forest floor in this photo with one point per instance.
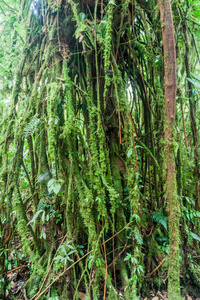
(19, 276)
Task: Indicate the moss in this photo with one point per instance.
(108, 49)
(174, 214)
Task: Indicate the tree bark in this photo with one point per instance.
(170, 111)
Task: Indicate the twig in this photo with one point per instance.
(18, 268)
(160, 264)
(104, 295)
(161, 296)
(114, 271)
(118, 254)
(150, 231)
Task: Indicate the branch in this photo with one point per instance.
(160, 264)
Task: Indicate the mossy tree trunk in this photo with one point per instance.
(170, 111)
(82, 160)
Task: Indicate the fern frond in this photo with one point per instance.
(32, 126)
(158, 217)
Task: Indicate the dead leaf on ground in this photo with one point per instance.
(82, 296)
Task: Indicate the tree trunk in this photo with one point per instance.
(170, 107)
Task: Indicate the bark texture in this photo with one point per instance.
(170, 111)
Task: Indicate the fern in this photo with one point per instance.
(158, 217)
(32, 126)
(138, 237)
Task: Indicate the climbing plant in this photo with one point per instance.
(99, 171)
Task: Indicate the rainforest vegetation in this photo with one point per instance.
(99, 149)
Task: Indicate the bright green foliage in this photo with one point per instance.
(82, 167)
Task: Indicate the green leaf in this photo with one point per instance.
(193, 81)
(32, 126)
(111, 2)
(129, 153)
(57, 188)
(43, 235)
(82, 16)
(54, 186)
(194, 236)
(24, 184)
(158, 217)
(195, 76)
(138, 237)
(136, 217)
(10, 84)
(6, 263)
(43, 217)
(35, 216)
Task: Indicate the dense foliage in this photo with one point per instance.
(84, 198)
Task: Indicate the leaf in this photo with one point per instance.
(158, 217)
(195, 76)
(35, 216)
(138, 237)
(59, 257)
(43, 235)
(82, 296)
(193, 81)
(54, 186)
(50, 182)
(71, 252)
(24, 184)
(44, 176)
(90, 263)
(189, 174)
(196, 13)
(137, 218)
(129, 153)
(32, 126)
(10, 84)
(139, 269)
(43, 217)
(194, 236)
(57, 188)
(70, 247)
(82, 16)
(111, 2)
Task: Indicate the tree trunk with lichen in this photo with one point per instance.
(170, 110)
